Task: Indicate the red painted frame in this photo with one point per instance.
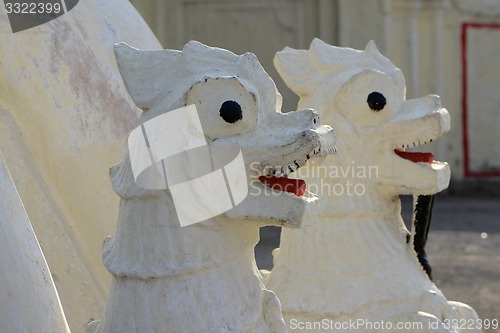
(467, 171)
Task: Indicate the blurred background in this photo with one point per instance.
(446, 47)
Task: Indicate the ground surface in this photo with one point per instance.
(463, 249)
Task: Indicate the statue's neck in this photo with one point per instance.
(353, 197)
(149, 242)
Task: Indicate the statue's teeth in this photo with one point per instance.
(332, 150)
(279, 172)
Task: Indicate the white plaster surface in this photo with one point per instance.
(354, 262)
(203, 277)
(28, 297)
(64, 117)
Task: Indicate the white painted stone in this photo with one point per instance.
(203, 277)
(64, 116)
(354, 262)
(29, 301)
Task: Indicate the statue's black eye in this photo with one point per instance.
(230, 111)
(376, 101)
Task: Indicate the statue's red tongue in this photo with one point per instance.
(295, 186)
(415, 156)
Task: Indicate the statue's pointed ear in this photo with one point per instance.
(371, 47)
(144, 72)
(295, 68)
(372, 52)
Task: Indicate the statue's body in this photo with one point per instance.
(203, 277)
(356, 261)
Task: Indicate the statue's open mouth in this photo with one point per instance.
(277, 179)
(284, 184)
(415, 156)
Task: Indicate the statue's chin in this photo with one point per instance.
(274, 207)
(431, 179)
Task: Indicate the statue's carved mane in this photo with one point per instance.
(148, 74)
(122, 180)
(339, 63)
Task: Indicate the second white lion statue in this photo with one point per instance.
(356, 263)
